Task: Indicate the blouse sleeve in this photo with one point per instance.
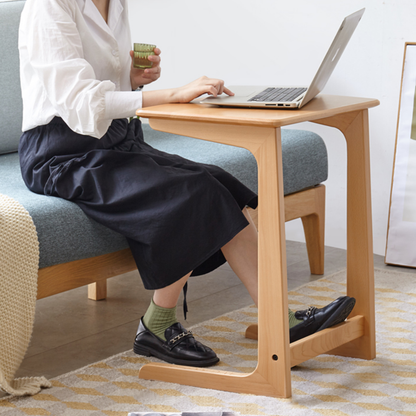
(55, 53)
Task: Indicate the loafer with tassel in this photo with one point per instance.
(180, 347)
(315, 319)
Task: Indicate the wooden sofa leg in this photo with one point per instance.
(309, 205)
(314, 228)
(97, 290)
(254, 216)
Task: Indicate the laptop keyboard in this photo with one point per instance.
(278, 94)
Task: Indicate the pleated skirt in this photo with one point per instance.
(175, 213)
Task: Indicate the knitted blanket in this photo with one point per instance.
(19, 260)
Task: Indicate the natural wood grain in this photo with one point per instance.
(209, 378)
(360, 265)
(67, 276)
(326, 340)
(254, 214)
(252, 332)
(307, 202)
(272, 270)
(320, 107)
(309, 205)
(320, 342)
(97, 290)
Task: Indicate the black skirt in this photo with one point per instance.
(175, 213)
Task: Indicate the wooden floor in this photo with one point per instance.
(71, 331)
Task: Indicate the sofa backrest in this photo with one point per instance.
(10, 95)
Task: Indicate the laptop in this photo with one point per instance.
(291, 97)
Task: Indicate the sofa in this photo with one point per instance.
(77, 251)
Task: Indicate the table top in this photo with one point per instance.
(322, 106)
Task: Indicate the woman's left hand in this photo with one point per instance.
(139, 76)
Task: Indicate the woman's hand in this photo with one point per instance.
(203, 85)
(187, 93)
(139, 76)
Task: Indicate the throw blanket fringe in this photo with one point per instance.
(19, 262)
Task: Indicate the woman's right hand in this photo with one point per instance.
(187, 93)
(203, 85)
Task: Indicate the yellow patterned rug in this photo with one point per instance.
(327, 385)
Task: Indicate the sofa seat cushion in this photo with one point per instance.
(66, 234)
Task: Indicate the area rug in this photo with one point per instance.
(327, 385)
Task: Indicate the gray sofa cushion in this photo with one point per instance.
(305, 160)
(66, 234)
(10, 97)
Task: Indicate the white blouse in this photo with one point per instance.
(76, 66)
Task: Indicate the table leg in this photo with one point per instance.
(272, 374)
(360, 264)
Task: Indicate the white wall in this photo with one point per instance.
(269, 41)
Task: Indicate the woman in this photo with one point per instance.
(180, 218)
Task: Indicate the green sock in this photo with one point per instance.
(293, 321)
(158, 319)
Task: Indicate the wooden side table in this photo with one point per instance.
(259, 132)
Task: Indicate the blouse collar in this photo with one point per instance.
(89, 10)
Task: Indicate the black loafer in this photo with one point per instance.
(315, 319)
(180, 347)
